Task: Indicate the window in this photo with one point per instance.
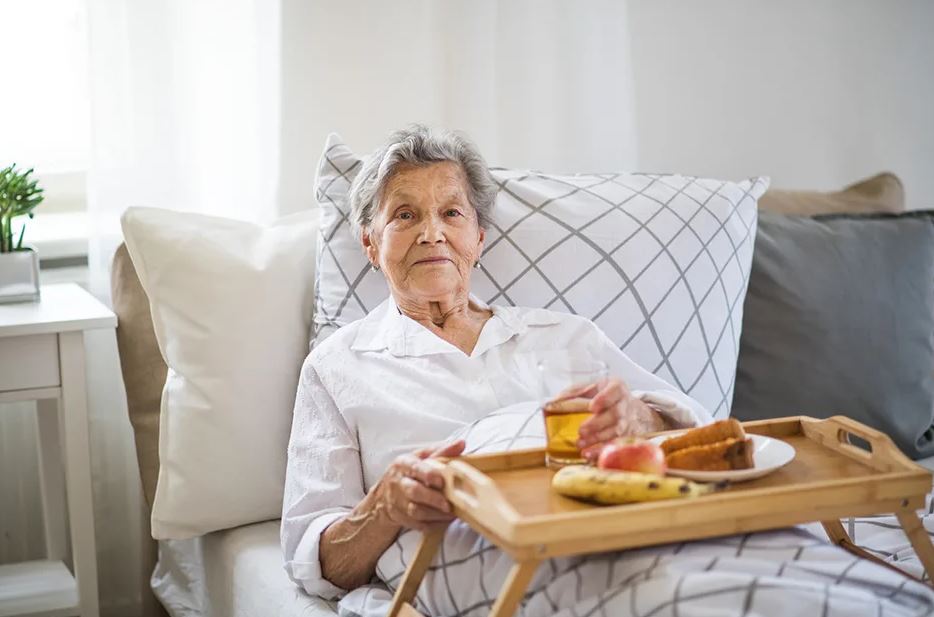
(45, 114)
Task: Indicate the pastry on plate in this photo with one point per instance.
(721, 446)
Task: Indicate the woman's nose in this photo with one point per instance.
(432, 231)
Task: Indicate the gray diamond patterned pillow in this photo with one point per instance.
(660, 262)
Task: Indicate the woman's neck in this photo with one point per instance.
(455, 318)
(437, 312)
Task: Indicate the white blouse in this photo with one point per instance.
(386, 385)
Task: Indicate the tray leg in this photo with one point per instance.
(401, 602)
(920, 540)
(514, 588)
(841, 538)
(835, 531)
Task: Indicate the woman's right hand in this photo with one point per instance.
(410, 492)
(407, 496)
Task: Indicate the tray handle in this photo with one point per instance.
(468, 488)
(859, 441)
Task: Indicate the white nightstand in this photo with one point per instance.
(42, 359)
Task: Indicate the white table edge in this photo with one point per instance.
(75, 325)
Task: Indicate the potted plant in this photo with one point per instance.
(19, 265)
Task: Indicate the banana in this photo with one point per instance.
(611, 487)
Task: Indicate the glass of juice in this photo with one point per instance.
(565, 377)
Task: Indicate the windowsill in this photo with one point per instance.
(59, 236)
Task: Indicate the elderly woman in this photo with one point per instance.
(384, 393)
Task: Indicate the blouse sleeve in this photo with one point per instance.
(323, 482)
(681, 410)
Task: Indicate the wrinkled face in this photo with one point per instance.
(425, 235)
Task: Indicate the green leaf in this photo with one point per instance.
(19, 195)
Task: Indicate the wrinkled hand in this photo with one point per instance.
(410, 492)
(616, 413)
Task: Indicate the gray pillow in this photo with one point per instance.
(839, 319)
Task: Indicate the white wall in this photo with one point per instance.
(814, 94)
(540, 84)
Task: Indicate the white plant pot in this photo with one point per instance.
(19, 276)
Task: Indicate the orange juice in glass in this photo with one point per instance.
(565, 378)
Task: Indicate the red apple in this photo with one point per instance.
(629, 454)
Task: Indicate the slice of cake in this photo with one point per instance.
(722, 455)
(721, 446)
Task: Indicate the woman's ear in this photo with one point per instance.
(480, 242)
(372, 253)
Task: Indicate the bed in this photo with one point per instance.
(236, 572)
(239, 572)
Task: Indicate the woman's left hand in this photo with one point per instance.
(616, 413)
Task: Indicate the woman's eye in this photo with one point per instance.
(405, 216)
(452, 212)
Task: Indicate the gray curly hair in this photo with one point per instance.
(418, 145)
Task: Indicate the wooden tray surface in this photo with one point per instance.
(509, 495)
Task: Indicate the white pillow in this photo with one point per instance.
(231, 305)
(660, 262)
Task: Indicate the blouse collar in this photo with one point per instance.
(386, 328)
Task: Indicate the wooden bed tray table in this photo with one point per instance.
(841, 469)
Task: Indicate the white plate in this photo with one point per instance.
(768, 455)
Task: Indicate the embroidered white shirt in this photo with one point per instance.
(386, 385)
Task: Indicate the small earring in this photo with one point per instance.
(477, 265)
(375, 268)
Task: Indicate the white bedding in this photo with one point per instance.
(239, 572)
(232, 573)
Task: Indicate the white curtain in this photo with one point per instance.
(184, 104)
(222, 107)
(537, 84)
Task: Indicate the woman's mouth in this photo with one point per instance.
(432, 261)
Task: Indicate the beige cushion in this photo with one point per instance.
(143, 369)
(881, 193)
